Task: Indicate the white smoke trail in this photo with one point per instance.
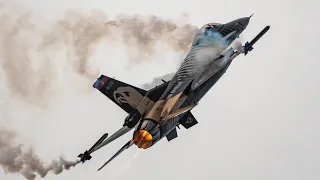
(28, 48)
(15, 159)
(158, 80)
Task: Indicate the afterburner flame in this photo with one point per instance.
(142, 138)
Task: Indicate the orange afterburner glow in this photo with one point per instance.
(142, 138)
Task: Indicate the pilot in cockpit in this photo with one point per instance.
(209, 26)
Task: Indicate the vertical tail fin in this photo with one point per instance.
(124, 95)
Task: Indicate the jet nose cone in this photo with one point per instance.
(237, 25)
(243, 22)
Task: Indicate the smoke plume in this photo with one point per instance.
(15, 159)
(33, 52)
(38, 58)
(158, 80)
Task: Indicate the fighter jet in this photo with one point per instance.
(157, 113)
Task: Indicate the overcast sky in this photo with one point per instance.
(260, 121)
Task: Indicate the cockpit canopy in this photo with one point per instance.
(209, 26)
(199, 36)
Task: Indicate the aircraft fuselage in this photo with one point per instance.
(208, 45)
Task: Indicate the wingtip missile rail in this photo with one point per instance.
(249, 45)
(86, 155)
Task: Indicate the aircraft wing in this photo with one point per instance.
(103, 141)
(124, 95)
(126, 146)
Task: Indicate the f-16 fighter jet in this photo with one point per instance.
(156, 113)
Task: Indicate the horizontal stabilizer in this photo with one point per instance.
(188, 120)
(172, 135)
(124, 95)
